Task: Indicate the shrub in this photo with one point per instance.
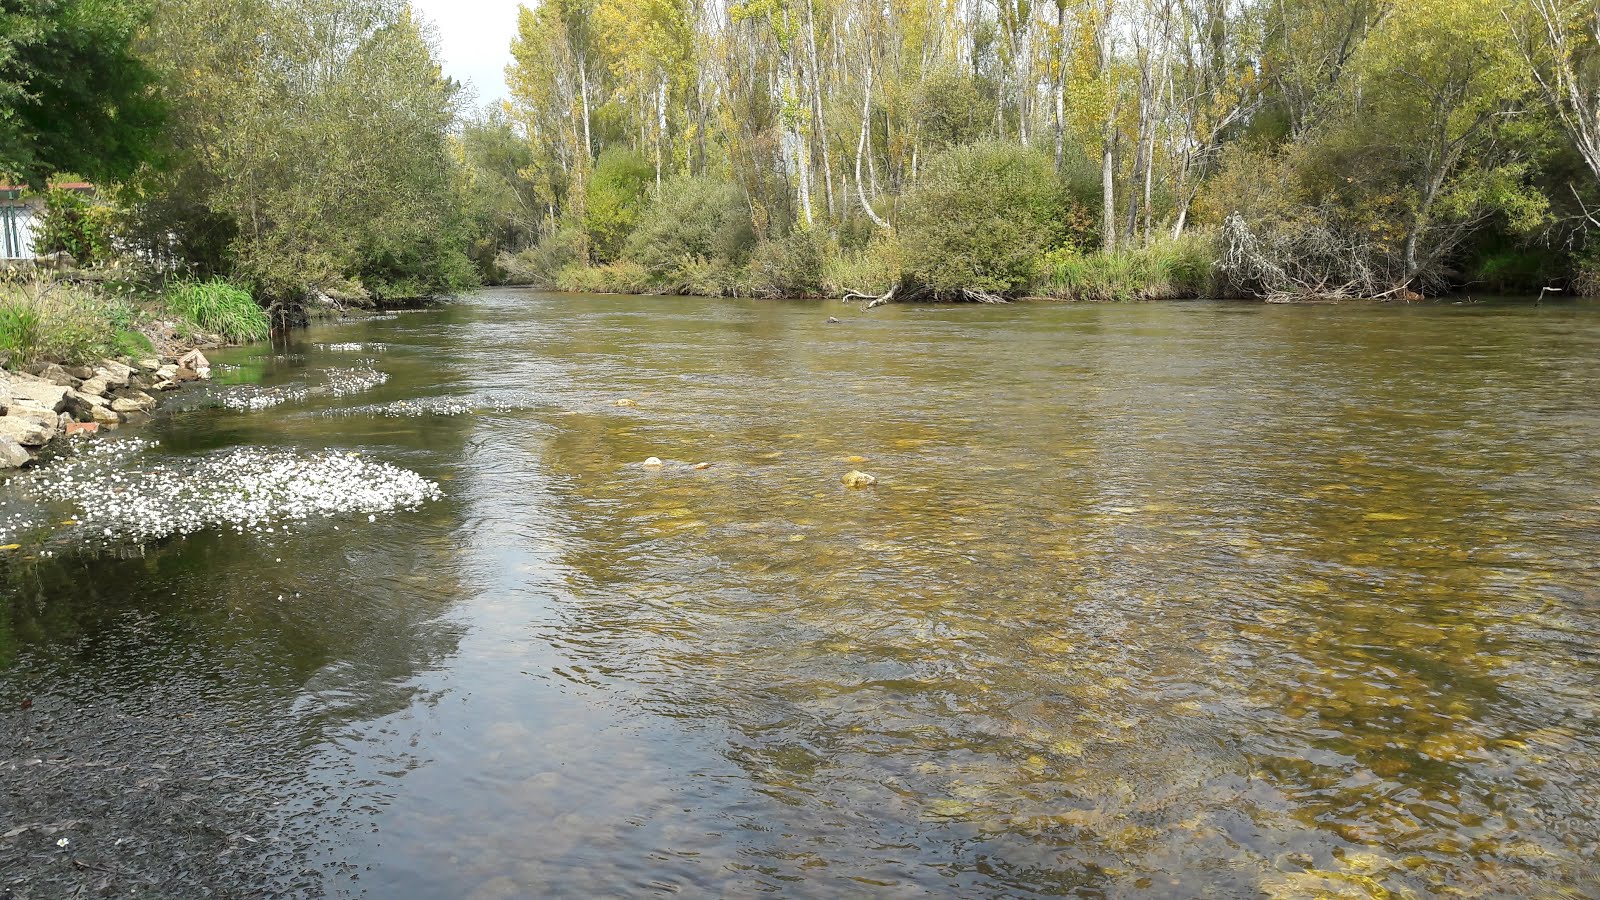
(75, 225)
(694, 221)
(621, 277)
(1171, 270)
(541, 264)
(872, 270)
(221, 308)
(616, 195)
(980, 218)
(789, 266)
(58, 321)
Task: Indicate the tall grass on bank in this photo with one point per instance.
(1171, 270)
(56, 321)
(220, 308)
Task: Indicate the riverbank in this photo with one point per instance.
(46, 401)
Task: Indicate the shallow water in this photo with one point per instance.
(1156, 600)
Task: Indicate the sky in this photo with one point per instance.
(474, 41)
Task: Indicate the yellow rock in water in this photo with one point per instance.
(858, 480)
(11, 547)
(626, 402)
(855, 459)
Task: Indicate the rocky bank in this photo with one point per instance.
(45, 401)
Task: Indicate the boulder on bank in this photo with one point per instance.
(115, 374)
(28, 427)
(12, 454)
(197, 362)
(57, 375)
(27, 390)
(132, 401)
(82, 406)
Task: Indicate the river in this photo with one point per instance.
(1184, 599)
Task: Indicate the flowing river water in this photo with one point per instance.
(1158, 600)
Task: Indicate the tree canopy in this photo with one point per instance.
(74, 95)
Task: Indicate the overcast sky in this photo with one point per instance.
(475, 41)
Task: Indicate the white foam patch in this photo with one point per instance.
(443, 406)
(352, 347)
(245, 489)
(338, 383)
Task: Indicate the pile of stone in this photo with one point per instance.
(45, 400)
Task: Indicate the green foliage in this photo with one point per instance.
(315, 150)
(621, 277)
(73, 94)
(1169, 270)
(221, 308)
(74, 224)
(67, 323)
(542, 264)
(789, 266)
(950, 108)
(980, 218)
(694, 222)
(872, 269)
(617, 193)
(503, 204)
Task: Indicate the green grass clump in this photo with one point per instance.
(1170, 270)
(220, 308)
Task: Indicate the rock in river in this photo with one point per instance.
(858, 480)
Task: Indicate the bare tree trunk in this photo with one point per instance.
(816, 104)
(661, 125)
(583, 90)
(861, 148)
(1108, 180)
(1060, 87)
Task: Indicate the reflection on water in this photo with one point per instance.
(1175, 599)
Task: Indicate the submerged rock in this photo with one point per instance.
(858, 480)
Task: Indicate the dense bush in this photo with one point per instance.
(980, 218)
(1169, 270)
(541, 264)
(220, 308)
(788, 266)
(694, 222)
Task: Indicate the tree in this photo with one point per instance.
(73, 94)
(313, 150)
(1558, 40)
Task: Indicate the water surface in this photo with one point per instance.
(1148, 600)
